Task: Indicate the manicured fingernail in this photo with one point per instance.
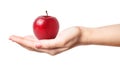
(38, 45)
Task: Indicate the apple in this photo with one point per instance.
(45, 27)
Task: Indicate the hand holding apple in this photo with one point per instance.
(66, 39)
(45, 27)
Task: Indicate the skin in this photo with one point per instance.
(72, 37)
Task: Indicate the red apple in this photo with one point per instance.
(45, 27)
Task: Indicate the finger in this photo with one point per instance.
(23, 42)
(48, 44)
(30, 37)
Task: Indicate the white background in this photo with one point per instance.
(17, 16)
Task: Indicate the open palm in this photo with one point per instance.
(65, 40)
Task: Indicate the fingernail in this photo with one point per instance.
(10, 38)
(38, 45)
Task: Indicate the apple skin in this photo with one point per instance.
(45, 27)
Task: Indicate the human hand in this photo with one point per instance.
(65, 40)
(71, 37)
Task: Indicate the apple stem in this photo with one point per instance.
(46, 12)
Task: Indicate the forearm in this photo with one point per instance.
(106, 35)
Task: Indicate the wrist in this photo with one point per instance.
(86, 35)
